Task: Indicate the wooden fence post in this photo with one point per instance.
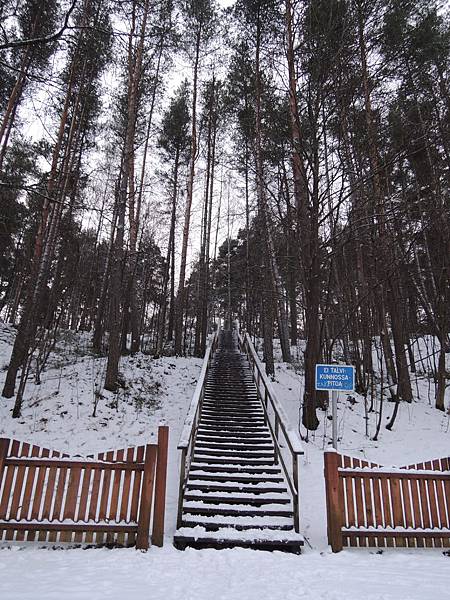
(160, 486)
(145, 509)
(334, 498)
(4, 444)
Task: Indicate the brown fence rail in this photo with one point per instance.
(47, 496)
(370, 505)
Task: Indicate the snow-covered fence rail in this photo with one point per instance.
(371, 505)
(47, 496)
(190, 426)
(286, 439)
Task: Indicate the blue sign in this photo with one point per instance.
(335, 377)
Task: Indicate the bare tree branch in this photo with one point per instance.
(42, 40)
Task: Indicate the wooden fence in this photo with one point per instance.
(47, 496)
(370, 505)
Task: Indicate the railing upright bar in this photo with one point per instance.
(297, 494)
(181, 486)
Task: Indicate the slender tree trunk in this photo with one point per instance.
(207, 281)
(13, 103)
(102, 303)
(307, 218)
(168, 266)
(181, 295)
(134, 305)
(115, 314)
(127, 171)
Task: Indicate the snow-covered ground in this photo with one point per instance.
(58, 414)
(168, 574)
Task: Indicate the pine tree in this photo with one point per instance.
(174, 141)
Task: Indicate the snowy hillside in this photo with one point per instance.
(60, 410)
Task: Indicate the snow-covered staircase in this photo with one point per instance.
(235, 493)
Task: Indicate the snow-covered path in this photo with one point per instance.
(168, 574)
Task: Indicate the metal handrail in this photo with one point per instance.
(189, 432)
(268, 397)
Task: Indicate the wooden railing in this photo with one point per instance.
(47, 496)
(189, 433)
(371, 505)
(288, 446)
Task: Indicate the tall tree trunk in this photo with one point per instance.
(13, 103)
(181, 295)
(168, 266)
(308, 238)
(126, 185)
(102, 303)
(207, 281)
(135, 215)
(115, 287)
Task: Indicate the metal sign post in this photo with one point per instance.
(334, 401)
(334, 378)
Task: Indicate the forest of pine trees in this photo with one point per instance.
(133, 131)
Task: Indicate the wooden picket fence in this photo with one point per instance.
(47, 496)
(370, 505)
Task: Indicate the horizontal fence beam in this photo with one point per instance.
(73, 464)
(415, 533)
(101, 528)
(369, 474)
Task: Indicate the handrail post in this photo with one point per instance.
(297, 495)
(277, 428)
(181, 487)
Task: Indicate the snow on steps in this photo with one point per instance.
(261, 539)
(204, 508)
(240, 476)
(260, 534)
(246, 522)
(236, 486)
(235, 494)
